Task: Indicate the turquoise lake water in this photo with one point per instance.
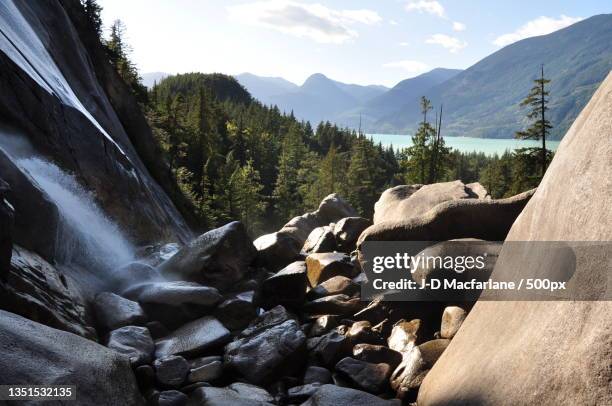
(489, 146)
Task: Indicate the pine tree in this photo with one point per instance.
(286, 194)
(419, 153)
(118, 52)
(361, 178)
(92, 13)
(537, 100)
(250, 204)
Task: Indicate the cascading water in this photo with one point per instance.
(87, 237)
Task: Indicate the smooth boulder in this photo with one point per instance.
(34, 354)
(332, 395)
(135, 342)
(323, 266)
(370, 377)
(218, 258)
(321, 239)
(113, 311)
(348, 230)
(273, 345)
(287, 287)
(193, 338)
(527, 351)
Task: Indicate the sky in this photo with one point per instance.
(353, 41)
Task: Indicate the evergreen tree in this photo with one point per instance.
(118, 52)
(361, 177)
(419, 153)
(286, 192)
(92, 12)
(250, 204)
(537, 100)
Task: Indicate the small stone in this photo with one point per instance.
(329, 348)
(171, 370)
(361, 332)
(206, 373)
(323, 266)
(404, 335)
(452, 318)
(334, 286)
(113, 311)
(172, 398)
(193, 338)
(133, 341)
(377, 354)
(335, 304)
(370, 377)
(315, 374)
(287, 287)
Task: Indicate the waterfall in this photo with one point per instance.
(87, 237)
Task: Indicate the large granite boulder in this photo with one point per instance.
(7, 214)
(279, 249)
(323, 266)
(271, 347)
(556, 352)
(34, 354)
(484, 219)
(33, 288)
(220, 257)
(321, 239)
(403, 202)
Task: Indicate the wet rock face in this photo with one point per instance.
(133, 341)
(31, 206)
(32, 352)
(111, 167)
(218, 258)
(271, 346)
(193, 338)
(113, 311)
(35, 289)
(6, 226)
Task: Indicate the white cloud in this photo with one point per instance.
(540, 26)
(314, 21)
(453, 44)
(457, 26)
(413, 67)
(426, 6)
(404, 44)
(393, 22)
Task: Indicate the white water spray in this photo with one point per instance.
(87, 237)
